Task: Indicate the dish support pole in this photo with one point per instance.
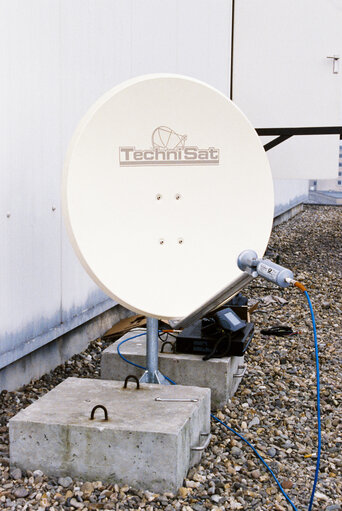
(152, 374)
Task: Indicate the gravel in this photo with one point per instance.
(274, 407)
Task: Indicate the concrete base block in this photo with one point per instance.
(146, 443)
(221, 375)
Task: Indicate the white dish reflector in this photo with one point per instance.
(165, 184)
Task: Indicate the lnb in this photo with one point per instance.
(249, 262)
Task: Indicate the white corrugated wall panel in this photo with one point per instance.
(30, 161)
(56, 58)
(95, 56)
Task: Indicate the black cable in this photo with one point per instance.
(165, 339)
(278, 330)
(214, 352)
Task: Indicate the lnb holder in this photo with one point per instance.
(252, 267)
(249, 262)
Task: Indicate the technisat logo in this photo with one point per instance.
(168, 148)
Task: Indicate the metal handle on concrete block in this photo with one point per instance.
(206, 443)
(131, 377)
(177, 399)
(240, 375)
(92, 415)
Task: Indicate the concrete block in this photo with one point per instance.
(146, 443)
(221, 375)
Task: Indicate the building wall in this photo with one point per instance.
(57, 57)
(329, 184)
(288, 193)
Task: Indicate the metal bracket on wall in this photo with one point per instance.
(335, 60)
(283, 134)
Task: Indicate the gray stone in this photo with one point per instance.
(198, 507)
(271, 452)
(75, 503)
(216, 498)
(21, 492)
(236, 451)
(254, 422)
(65, 481)
(217, 374)
(37, 473)
(16, 473)
(156, 437)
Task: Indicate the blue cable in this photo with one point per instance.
(244, 439)
(125, 359)
(260, 458)
(319, 433)
(169, 379)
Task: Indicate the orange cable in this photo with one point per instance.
(300, 286)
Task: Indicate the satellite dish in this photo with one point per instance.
(165, 184)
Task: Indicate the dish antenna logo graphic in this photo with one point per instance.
(166, 138)
(168, 148)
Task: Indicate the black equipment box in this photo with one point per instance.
(207, 337)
